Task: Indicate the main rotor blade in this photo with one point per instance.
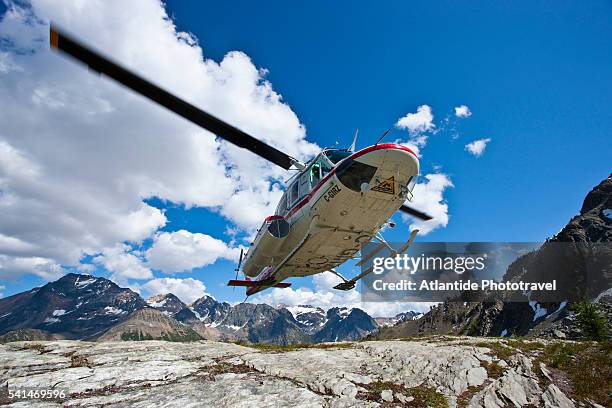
(64, 43)
(415, 213)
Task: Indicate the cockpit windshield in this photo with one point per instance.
(336, 155)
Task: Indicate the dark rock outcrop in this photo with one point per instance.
(569, 257)
(345, 324)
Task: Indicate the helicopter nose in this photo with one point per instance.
(390, 157)
(378, 162)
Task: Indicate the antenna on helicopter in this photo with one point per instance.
(352, 148)
(237, 270)
(383, 135)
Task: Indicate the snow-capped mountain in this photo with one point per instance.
(209, 311)
(85, 307)
(75, 306)
(345, 324)
(167, 303)
(398, 318)
(310, 318)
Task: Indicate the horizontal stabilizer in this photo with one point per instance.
(252, 283)
(236, 282)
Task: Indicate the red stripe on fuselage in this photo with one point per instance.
(333, 171)
(273, 217)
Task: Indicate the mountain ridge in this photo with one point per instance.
(492, 316)
(85, 307)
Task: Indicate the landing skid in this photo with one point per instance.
(346, 284)
(349, 284)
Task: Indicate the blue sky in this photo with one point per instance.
(537, 77)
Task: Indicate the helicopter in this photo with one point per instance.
(335, 203)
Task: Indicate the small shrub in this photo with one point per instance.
(591, 321)
(78, 361)
(494, 370)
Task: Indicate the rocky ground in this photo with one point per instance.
(436, 372)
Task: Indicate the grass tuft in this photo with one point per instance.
(34, 346)
(494, 370)
(498, 349)
(588, 367)
(78, 361)
(422, 396)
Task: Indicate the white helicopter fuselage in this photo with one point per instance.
(325, 218)
(336, 203)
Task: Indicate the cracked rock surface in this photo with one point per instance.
(206, 373)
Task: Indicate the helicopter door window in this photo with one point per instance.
(293, 193)
(315, 174)
(324, 170)
(304, 185)
(282, 206)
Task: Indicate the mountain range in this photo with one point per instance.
(93, 308)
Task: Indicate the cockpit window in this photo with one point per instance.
(336, 155)
(315, 173)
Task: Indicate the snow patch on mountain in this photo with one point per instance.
(113, 310)
(156, 304)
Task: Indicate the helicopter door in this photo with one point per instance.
(304, 184)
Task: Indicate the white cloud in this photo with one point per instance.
(188, 289)
(2, 287)
(11, 267)
(477, 147)
(78, 153)
(463, 111)
(418, 122)
(429, 198)
(325, 297)
(182, 251)
(86, 268)
(6, 63)
(123, 264)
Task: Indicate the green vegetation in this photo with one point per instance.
(504, 349)
(588, 367)
(524, 345)
(591, 321)
(494, 370)
(133, 335)
(34, 346)
(471, 328)
(464, 398)
(427, 397)
(500, 350)
(78, 361)
(422, 396)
